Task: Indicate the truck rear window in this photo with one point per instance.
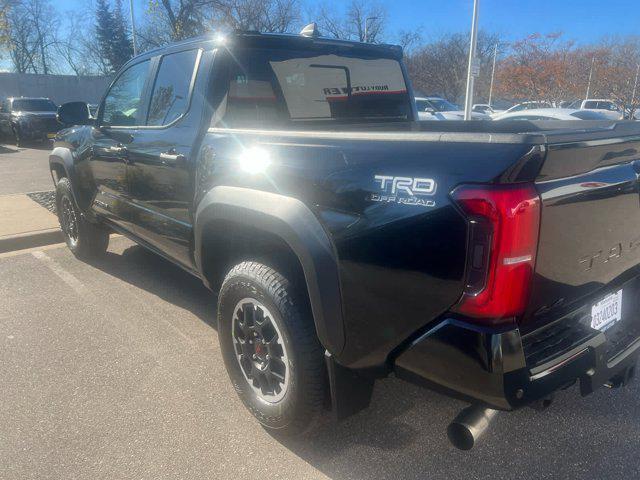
(34, 105)
(269, 87)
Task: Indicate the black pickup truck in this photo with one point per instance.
(494, 262)
(28, 118)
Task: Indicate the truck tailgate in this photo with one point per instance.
(589, 243)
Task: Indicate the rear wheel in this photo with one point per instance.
(270, 348)
(86, 240)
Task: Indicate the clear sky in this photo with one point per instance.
(580, 20)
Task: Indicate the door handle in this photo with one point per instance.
(117, 150)
(172, 159)
(112, 150)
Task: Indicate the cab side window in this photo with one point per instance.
(170, 96)
(123, 102)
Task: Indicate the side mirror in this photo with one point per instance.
(73, 113)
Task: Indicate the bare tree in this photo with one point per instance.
(360, 17)
(29, 33)
(80, 51)
(615, 67)
(409, 41)
(171, 20)
(45, 24)
(19, 39)
(440, 67)
(271, 16)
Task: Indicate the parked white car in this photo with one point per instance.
(553, 114)
(436, 108)
(607, 107)
(524, 106)
(486, 108)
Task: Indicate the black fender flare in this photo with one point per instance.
(62, 156)
(292, 221)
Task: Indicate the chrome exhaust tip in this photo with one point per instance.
(469, 425)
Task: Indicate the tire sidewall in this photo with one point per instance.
(63, 191)
(272, 415)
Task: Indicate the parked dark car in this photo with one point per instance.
(28, 119)
(496, 262)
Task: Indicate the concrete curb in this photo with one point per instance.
(37, 238)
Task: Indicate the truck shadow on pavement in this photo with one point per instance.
(403, 433)
(148, 271)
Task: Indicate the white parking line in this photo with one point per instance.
(65, 276)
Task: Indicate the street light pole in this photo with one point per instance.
(593, 61)
(493, 72)
(472, 70)
(366, 29)
(635, 86)
(133, 29)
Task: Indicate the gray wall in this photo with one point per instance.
(59, 88)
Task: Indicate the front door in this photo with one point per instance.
(161, 163)
(120, 114)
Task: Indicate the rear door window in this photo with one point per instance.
(34, 105)
(268, 87)
(170, 96)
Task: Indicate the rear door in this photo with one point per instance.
(121, 114)
(160, 168)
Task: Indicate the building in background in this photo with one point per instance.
(59, 88)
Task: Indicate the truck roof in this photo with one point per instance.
(274, 40)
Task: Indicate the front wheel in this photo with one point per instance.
(270, 348)
(85, 240)
(17, 136)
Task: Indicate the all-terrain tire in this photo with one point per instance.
(17, 136)
(301, 403)
(85, 239)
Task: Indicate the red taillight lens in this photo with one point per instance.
(504, 221)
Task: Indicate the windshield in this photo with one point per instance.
(268, 87)
(441, 105)
(33, 105)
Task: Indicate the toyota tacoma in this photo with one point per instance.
(346, 241)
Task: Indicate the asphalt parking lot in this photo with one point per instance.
(24, 170)
(112, 370)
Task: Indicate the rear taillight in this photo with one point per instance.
(503, 237)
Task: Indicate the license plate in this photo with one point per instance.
(607, 311)
(51, 135)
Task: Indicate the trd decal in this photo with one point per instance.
(404, 190)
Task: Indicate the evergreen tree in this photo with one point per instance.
(122, 45)
(112, 34)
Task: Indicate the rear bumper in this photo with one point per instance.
(497, 368)
(37, 131)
